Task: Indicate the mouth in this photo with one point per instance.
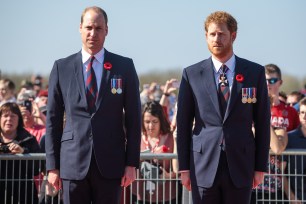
(218, 46)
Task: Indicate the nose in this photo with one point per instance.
(93, 32)
(268, 85)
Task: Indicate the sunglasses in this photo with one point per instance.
(272, 80)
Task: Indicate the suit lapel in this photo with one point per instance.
(208, 80)
(104, 80)
(240, 68)
(78, 71)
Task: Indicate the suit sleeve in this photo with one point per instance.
(185, 117)
(54, 122)
(132, 109)
(262, 117)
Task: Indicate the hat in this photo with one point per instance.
(43, 93)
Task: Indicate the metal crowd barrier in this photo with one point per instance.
(157, 180)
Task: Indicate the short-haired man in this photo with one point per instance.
(282, 115)
(293, 99)
(97, 151)
(219, 158)
(7, 89)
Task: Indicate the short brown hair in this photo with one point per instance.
(302, 102)
(9, 84)
(14, 108)
(96, 9)
(272, 69)
(222, 17)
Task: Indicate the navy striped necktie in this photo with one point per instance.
(91, 86)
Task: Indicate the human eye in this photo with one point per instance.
(4, 115)
(88, 28)
(155, 121)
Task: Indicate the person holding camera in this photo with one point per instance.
(14, 139)
(30, 113)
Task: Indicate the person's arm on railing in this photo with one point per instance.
(279, 140)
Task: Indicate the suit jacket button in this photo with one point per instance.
(90, 136)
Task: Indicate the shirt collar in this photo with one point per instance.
(99, 56)
(229, 63)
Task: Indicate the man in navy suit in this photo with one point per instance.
(96, 152)
(220, 99)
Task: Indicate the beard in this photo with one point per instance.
(221, 52)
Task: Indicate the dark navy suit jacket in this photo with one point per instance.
(113, 132)
(199, 146)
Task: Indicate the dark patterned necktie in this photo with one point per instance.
(223, 91)
(91, 86)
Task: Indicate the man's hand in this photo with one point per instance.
(54, 179)
(129, 176)
(185, 179)
(258, 178)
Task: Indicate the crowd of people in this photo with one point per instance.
(94, 118)
(23, 115)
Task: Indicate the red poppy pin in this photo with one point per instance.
(165, 148)
(107, 65)
(239, 78)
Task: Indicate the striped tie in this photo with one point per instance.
(91, 86)
(224, 91)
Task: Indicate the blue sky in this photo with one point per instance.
(157, 34)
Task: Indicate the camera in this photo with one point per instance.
(4, 149)
(27, 104)
(176, 84)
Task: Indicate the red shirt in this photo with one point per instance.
(37, 131)
(284, 116)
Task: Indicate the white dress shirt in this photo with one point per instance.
(97, 65)
(231, 63)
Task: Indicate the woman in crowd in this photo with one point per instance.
(156, 138)
(16, 177)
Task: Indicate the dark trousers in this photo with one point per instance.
(223, 190)
(94, 188)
